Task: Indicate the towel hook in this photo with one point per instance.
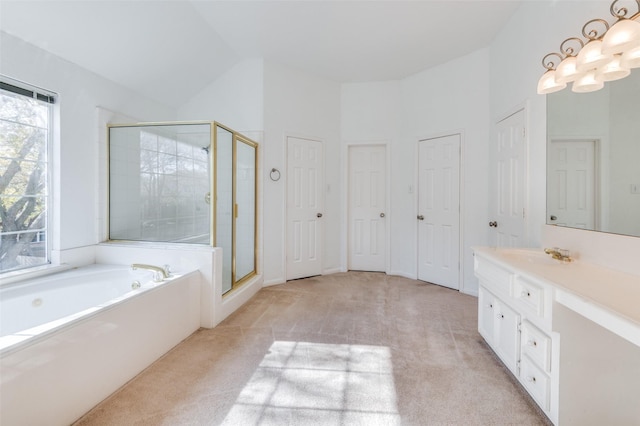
(275, 174)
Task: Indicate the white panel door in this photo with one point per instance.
(439, 211)
(305, 207)
(509, 191)
(367, 208)
(571, 184)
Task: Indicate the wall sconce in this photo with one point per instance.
(609, 53)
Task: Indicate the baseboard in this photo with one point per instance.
(274, 281)
(403, 274)
(332, 271)
(470, 293)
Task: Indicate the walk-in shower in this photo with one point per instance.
(192, 183)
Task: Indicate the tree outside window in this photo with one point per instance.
(24, 198)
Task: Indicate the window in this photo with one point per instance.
(25, 135)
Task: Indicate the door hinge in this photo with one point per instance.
(519, 327)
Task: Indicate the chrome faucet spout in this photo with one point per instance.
(558, 254)
(160, 274)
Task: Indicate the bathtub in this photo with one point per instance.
(69, 340)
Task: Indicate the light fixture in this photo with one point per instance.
(589, 82)
(567, 70)
(631, 58)
(624, 34)
(608, 54)
(614, 70)
(548, 82)
(591, 56)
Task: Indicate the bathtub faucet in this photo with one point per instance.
(159, 274)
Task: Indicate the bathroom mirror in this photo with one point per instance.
(593, 158)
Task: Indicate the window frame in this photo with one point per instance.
(48, 99)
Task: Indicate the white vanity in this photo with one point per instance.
(568, 331)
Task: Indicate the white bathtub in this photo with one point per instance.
(71, 339)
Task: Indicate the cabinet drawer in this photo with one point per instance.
(494, 277)
(529, 295)
(536, 345)
(535, 381)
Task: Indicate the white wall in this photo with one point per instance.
(235, 99)
(516, 56)
(301, 105)
(450, 98)
(80, 91)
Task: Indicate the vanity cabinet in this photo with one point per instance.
(498, 324)
(529, 303)
(514, 319)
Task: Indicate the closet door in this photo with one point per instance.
(305, 207)
(439, 211)
(367, 208)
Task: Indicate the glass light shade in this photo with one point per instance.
(591, 56)
(589, 82)
(613, 70)
(567, 71)
(624, 35)
(631, 58)
(548, 83)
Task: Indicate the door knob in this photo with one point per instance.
(493, 224)
(553, 217)
(420, 217)
(381, 214)
(319, 215)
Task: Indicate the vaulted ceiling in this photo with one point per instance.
(170, 50)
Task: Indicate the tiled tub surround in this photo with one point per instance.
(569, 332)
(78, 360)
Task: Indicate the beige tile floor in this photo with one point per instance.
(354, 348)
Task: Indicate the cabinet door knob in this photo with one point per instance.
(531, 379)
(525, 294)
(319, 215)
(493, 224)
(381, 214)
(420, 217)
(532, 343)
(553, 217)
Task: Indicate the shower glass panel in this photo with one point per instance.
(189, 183)
(159, 180)
(246, 208)
(224, 203)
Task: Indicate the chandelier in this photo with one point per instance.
(608, 53)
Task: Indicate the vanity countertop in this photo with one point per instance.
(606, 296)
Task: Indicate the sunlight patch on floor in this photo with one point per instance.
(316, 383)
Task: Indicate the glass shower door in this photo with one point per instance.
(224, 205)
(235, 207)
(245, 220)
